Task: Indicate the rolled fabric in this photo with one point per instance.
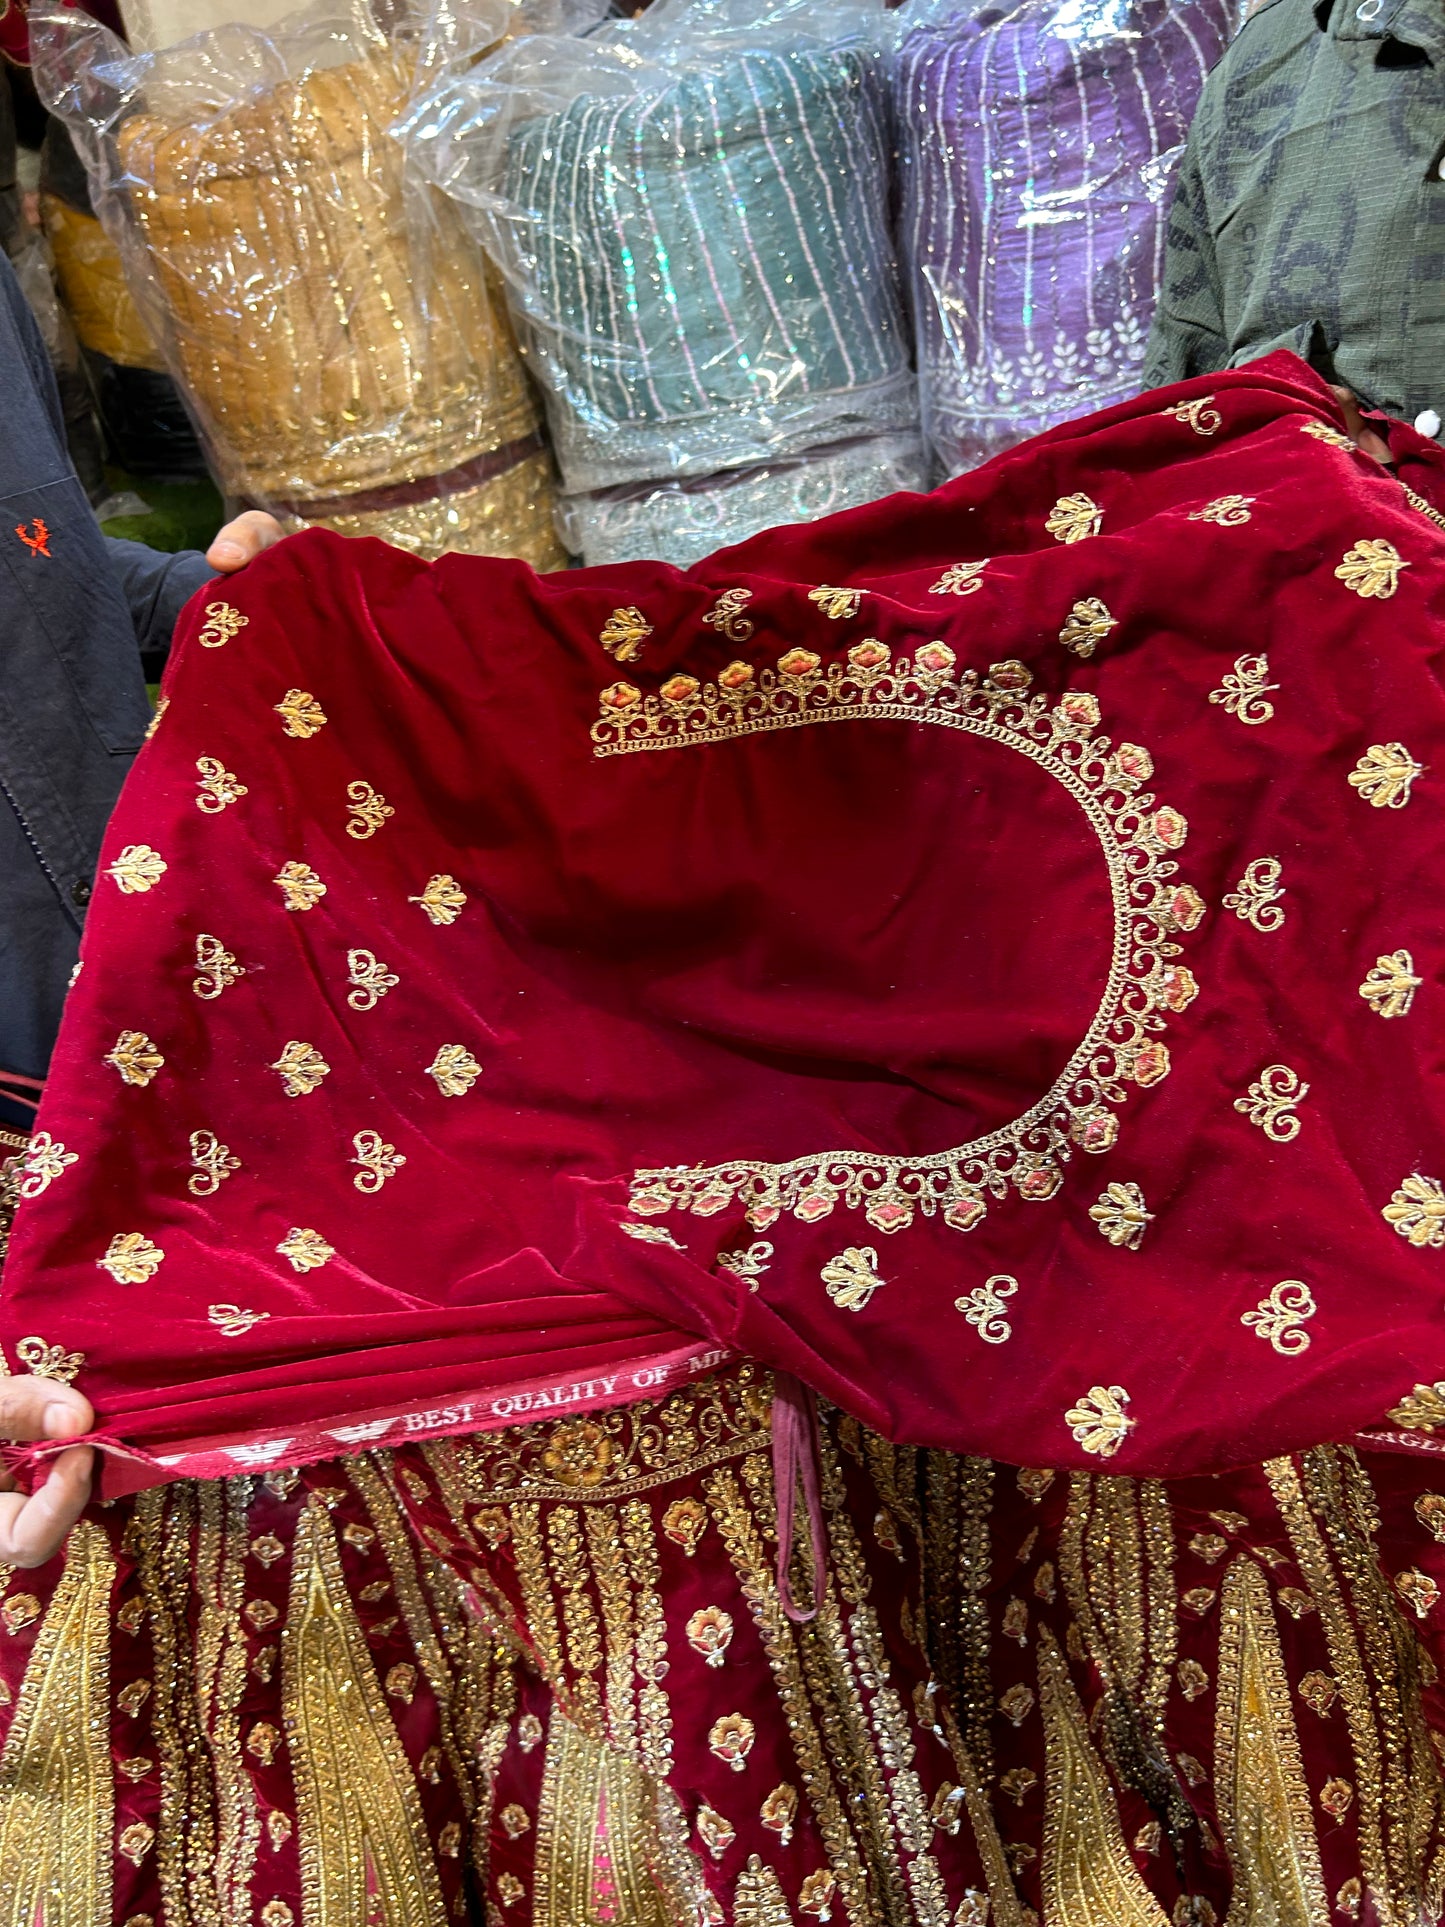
(1037, 150)
(93, 287)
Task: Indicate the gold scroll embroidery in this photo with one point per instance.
(213, 1161)
(137, 869)
(964, 578)
(1226, 511)
(624, 633)
(1263, 1798)
(836, 604)
(221, 624)
(218, 787)
(1201, 415)
(1280, 1318)
(300, 713)
(1255, 898)
(726, 615)
(1121, 1216)
(984, 1308)
(216, 967)
(370, 979)
(852, 1277)
(234, 1321)
(1384, 775)
(1372, 569)
(443, 899)
(361, 1834)
(49, 1361)
(1099, 1421)
(46, 1159)
(596, 1829)
(57, 1785)
(378, 1160)
(368, 810)
(1324, 432)
(1073, 518)
(302, 1068)
(1242, 691)
(653, 1234)
(1417, 1211)
(300, 886)
(1270, 1103)
(1087, 1874)
(1089, 623)
(1390, 984)
(155, 722)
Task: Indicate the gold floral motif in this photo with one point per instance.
(136, 1769)
(136, 1842)
(1280, 1317)
(49, 1361)
(302, 1068)
(815, 1896)
(1226, 511)
(624, 633)
(1324, 432)
(137, 869)
(378, 1160)
(1390, 985)
(131, 1258)
(1016, 1704)
(1255, 898)
(731, 1739)
(852, 1277)
(779, 1812)
(455, 1070)
(1193, 1680)
(262, 1742)
(529, 1732)
(401, 1682)
(1270, 1103)
(1418, 1590)
(509, 1889)
(1337, 1797)
(135, 1057)
(684, 1522)
(368, 810)
(1099, 1422)
(515, 1820)
(370, 980)
(300, 886)
(231, 1321)
(155, 722)
(443, 899)
(1015, 1623)
(1073, 518)
(1201, 415)
(1209, 1547)
(1121, 1216)
(726, 615)
(1351, 1892)
(221, 624)
(619, 697)
(217, 787)
(984, 1308)
(214, 1164)
(836, 604)
(651, 1234)
(710, 1632)
(45, 1159)
(216, 967)
(1417, 1211)
(716, 1833)
(305, 1249)
(20, 1610)
(1242, 691)
(1430, 1511)
(1384, 774)
(1089, 623)
(300, 713)
(1319, 1693)
(1198, 1599)
(964, 578)
(1296, 1602)
(799, 667)
(1372, 568)
(749, 1264)
(274, 1914)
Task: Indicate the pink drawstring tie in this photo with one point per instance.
(795, 1455)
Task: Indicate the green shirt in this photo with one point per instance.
(1310, 208)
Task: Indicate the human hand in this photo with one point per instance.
(1368, 440)
(33, 1529)
(242, 541)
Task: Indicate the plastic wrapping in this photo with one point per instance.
(681, 522)
(690, 210)
(1038, 149)
(330, 323)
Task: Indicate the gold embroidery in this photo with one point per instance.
(964, 578)
(221, 624)
(1087, 1874)
(155, 722)
(1418, 1589)
(300, 713)
(509, 1889)
(1073, 518)
(1120, 1215)
(1417, 1211)
(217, 787)
(1136, 837)
(1430, 1511)
(684, 1522)
(1201, 415)
(362, 1836)
(1016, 1704)
(300, 886)
(371, 980)
(749, 1264)
(22, 1609)
(1263, 1799)
(302, 1068)
(231, 1321)
(378, 1160)
(1337, 1797)
(624, 633)
(731, 1738)
(45, 1159)
(1372, 569)
(716, 1834)
(1270, 1103)
(985, 1310)
(49, 1361)
(758, 1898)
(443, 899)
(1255, 898)
(1384, 774)
(1319, 1693)
(852, 1277)
(1243, 689)
(1226, 511)
(710, 1632)
(137, 869)
(837, 604)
(57, 1795)
(1323, 432)
(727, 617)
(1390, 985)
(1193, 1680)
(1099, 1422)
(213, 1161)
(455, 1070)
(815, 1897)
(131, 1258)
(779, 1812)
(1280, 1317)
(1089, 623)
(135, 1057)
(306, 1250)
(216, 967)
(651, 1234)
(619, 697)
(368, 810)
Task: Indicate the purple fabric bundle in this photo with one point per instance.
(1038, 151)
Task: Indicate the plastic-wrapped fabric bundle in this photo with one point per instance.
(691, 213)
(331, 324)
(681, 522)
(1038, 149)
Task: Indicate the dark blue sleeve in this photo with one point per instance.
(156, 587)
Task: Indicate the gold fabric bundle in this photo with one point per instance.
(335, 330)
(93, 287)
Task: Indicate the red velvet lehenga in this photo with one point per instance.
(307, 1179)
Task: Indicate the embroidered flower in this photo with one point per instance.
(1073, 518)
(716, 1834)
(679, 689)
(709, 1202)
(1182, 907)
(578, 1453)
(736, 676)
(1430, 1511)
(779, 1811)
(1078, 709)
(1095, 1130)
(400, 1682)
(1039, 1182)
(1390, 985)
(1193, 1680)
(852, 1277)
(1172, 987)
(815, 1896)
(45, 1159)
(1133, 763)
(136, 1842)
(1384, 774)
(870, 654)
(1087, 625)
(131, 1258)
(888, 1211)
(624, 633)
(1016, 1704)
(301, 1067)
(1418, 1590)
(684, 1522)
(814, 1205)
(1319, 1693)
(1337, 1797)
(1010, 675)
(836, 603)
(304, 1249)
(455, 1070)
(731, 1739)
(798, 663)
(620, 695)
(1148, 1063)
(964, 1213)
(1099, 1422)
(1372, 569)
(137, 869)
(300, 713)
(135, 1057)
(20, 1610)
(710, 1632)
(300, 886)
(935, 659)
(443, 899)
(1417, 1211)
(509, 1889)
